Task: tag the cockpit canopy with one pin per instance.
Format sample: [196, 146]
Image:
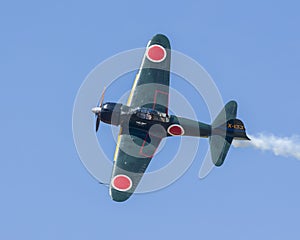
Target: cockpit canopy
[151, 114]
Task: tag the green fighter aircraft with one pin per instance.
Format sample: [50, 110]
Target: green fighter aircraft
[144, 122]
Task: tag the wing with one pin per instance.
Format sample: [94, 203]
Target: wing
[151, 85]
[133, 154]
[135, 147]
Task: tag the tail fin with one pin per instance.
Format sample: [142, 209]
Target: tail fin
[224, 129]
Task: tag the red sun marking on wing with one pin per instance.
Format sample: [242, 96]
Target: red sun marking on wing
[156, 53]
[122, 183]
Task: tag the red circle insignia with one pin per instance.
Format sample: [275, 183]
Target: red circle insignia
[156, 53]
[122, 183]
[175, 130]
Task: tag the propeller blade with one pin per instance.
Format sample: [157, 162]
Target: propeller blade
[97, 123]
[102, 97]
[98, 114]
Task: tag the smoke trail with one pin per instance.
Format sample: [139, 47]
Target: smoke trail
[280, 146]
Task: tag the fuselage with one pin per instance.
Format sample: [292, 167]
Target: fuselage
[152, 121]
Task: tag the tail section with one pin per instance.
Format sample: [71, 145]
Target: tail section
[219, 147]
[236, 129]
[225, 128]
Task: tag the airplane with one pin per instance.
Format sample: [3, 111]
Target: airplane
[144, 121]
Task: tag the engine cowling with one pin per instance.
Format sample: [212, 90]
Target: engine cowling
[110, 113]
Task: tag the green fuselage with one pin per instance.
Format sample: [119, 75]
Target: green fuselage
[143, 120]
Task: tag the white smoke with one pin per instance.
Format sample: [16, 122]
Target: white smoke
[280, 146]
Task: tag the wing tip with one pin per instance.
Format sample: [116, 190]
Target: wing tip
[161, 39]
[119, 196]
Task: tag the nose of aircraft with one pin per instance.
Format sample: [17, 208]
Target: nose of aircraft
[96, 110]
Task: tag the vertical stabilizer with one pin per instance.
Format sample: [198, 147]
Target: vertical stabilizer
[225, 128]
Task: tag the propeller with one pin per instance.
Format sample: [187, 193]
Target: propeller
[97, 110]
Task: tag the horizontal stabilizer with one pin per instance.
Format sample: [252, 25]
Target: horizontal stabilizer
[219, 147]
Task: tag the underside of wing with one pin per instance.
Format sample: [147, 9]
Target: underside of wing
[136, 147]
[151, 86]
[133, 155]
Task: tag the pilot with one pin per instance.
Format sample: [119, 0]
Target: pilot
[148, 116]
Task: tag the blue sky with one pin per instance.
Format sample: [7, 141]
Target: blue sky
[251, 50]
